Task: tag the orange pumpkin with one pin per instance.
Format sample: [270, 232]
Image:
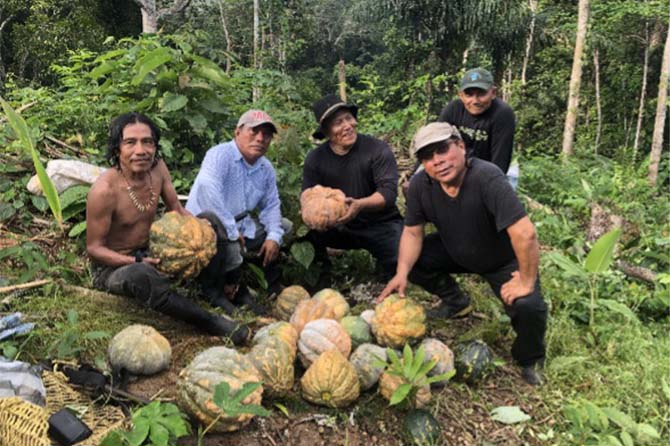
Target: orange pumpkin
[310, 310]
[321, 207]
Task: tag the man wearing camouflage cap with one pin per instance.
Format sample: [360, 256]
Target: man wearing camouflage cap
[482, 228]
[486, 122]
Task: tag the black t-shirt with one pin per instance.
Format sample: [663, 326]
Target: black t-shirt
[473, 224]
[488, 136]
[367, 168]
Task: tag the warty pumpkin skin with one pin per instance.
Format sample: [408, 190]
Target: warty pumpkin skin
[195, 386]
[322, 335]
[321, 207]
[274, 362]
[358, 329]
[310, 310]
[363, 359]
[288, 299]
[278, 331]
[184, 244]
[438, 350]
[397, 321]
[389, 383]
[140, 349]
[335, 300]
[330, 381]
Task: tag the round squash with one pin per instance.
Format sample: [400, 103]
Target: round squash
[397, 321]
[358, 330]
[184, 244]
[421, 428]
[310, 310]
[335, 300]
[140, 349]
[196, 383]
[288, 299]
[389, 383]
[274, 362]
[473, 361]
[330, 381]
[320, 336]
[367, 316]
[321, 207]
[438, 350]
[363, 359]
[282, 331]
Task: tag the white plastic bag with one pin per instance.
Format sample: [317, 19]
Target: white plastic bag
[66, 173]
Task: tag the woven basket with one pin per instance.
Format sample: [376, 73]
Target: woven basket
[101, 419]
[22, 423]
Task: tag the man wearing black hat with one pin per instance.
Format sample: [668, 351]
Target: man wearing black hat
[365, 169]
[486, 122]
[482, 228]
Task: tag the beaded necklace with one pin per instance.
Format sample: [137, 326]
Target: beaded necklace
[133, 197]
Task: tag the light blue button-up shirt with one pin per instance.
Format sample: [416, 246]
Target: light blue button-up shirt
[228, 186]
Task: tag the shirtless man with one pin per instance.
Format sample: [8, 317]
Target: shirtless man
[120, 208]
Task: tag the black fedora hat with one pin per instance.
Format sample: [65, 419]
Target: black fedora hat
[326, 107]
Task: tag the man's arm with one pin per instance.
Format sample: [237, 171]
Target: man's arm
[526, 248]
[168, 192]
[411, 242]
[502, 137]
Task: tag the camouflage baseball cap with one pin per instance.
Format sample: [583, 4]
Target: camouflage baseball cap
[432, 133]
[477, 78]
[254, 118]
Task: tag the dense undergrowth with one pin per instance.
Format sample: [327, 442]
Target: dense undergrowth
[617, 362]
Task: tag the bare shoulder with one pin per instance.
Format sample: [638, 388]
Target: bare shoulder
[105, 186]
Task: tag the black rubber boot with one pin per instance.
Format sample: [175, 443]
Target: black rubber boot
[216, 298]
[185, 310]
[243, 297]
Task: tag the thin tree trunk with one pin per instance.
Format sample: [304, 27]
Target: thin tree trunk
[599, 111]
[659, 124]
[255, 93]
[529, 41]
[229, 43]
[151, 15]
[575, 79]
[643, 92]
[342, 78]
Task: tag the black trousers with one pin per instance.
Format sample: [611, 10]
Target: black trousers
[381, 240]
[139, 281]
[528, 314]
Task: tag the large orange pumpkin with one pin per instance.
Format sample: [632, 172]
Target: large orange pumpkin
[184, 244]
[321, 207]
[310, 310]
[330, 381]
[398, 320]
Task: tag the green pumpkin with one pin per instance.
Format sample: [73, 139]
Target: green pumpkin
[473, 361]
[358, 330]
[364, 360]
[421, 428]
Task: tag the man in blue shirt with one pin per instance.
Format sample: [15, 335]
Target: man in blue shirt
[236, 179]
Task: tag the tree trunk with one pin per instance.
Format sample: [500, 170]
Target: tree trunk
[659, 124]
[151, 15]
[599, 111]
[643, 92]
[255, 92]
[529, 41]
[342, 78]
[229, 43]
[575, 79]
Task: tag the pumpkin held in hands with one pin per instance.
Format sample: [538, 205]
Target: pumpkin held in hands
[140, 349]
[183, 243]
[321, 207]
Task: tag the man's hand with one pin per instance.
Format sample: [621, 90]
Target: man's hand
[515, 288]
[354, 207]
[269, 251]
[151, 260]
[398, 283]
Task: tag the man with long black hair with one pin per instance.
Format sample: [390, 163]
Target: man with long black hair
[120, 208]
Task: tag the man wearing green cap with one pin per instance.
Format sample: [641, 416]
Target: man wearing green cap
[486, 122]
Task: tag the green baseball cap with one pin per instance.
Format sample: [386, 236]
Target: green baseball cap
[477, 78]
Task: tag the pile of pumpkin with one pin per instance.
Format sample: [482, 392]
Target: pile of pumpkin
[320, 333]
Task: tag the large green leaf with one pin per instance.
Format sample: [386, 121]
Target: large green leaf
[173, 102]
[509, 415]
[570, 267]
[150, 62]
[303, 253]
[600, 257]
[618, 307]
[23, 133]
